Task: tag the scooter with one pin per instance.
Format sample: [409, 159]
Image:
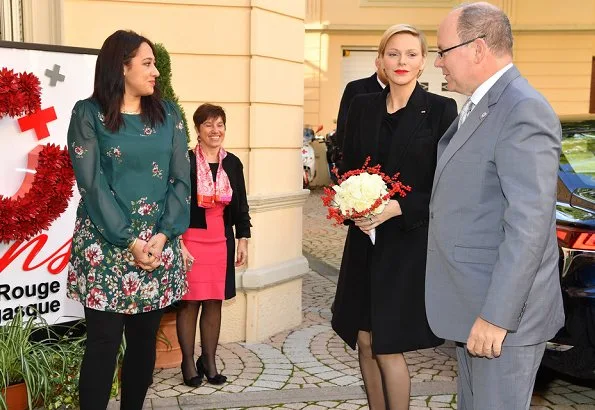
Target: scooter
[308, 156]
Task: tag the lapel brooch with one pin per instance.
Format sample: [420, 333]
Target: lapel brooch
[483, 115]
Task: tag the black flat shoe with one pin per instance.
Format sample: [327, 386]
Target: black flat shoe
[202, 370]
[195, 381]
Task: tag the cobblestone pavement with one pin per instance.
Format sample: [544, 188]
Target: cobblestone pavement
[310, 368]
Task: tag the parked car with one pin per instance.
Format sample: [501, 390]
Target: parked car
[572, 351]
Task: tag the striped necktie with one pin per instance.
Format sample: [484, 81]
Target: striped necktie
[465, 111]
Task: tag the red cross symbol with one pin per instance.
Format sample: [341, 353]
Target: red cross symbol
[38, 122]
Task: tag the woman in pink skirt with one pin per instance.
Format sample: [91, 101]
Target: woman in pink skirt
[218, 204]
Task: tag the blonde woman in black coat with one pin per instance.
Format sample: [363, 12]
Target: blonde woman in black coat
[379, 304]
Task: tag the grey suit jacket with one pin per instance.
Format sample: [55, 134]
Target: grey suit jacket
[492, 248]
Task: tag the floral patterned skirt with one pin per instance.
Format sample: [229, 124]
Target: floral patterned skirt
[104, 277]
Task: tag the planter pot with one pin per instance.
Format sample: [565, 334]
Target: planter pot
[16, 397]
[168, 349]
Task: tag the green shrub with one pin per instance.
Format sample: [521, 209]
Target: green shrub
[163, 64]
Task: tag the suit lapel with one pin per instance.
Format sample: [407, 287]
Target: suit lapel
[415, 112]
[454, 139]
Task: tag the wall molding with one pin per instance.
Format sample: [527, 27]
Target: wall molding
[409, 3]
[273, 202]
[268, 276]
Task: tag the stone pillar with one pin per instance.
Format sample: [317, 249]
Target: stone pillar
[272, 281]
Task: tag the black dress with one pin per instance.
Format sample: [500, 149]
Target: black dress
[381, 287]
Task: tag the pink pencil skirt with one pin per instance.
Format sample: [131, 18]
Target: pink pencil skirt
[206, 279]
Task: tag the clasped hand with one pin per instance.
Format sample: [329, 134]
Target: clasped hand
[485, 339]
[147, 254]
[368, 223]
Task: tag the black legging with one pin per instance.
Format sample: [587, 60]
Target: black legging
[104, 334]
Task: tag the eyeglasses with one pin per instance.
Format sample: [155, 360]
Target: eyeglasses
[441, 53]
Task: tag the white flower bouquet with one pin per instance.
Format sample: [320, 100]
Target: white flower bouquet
[361, 193]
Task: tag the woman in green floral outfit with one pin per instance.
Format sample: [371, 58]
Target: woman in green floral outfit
[129, 153]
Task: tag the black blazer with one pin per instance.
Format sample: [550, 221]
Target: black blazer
[362, 86]
[236, 213]
[386, 282]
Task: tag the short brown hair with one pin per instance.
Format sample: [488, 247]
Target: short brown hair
[207, 111]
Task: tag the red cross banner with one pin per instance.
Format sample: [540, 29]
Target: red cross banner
[39, 85]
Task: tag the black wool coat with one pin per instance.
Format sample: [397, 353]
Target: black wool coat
[392, 270]
[236, 213]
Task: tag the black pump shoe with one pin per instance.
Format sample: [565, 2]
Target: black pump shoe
[195, 381]
[202, 370]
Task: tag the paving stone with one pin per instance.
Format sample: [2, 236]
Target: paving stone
[279, 372]
[256, 388]
[441, 399]
[348, 406]
[578, 398]
[295, 406]
[268, 384]
[168, 393]
[345, 380]
[273, 377]
[557, 399]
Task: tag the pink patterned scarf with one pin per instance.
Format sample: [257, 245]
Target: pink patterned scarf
[207, 191]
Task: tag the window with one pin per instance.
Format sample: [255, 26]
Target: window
[11, 20]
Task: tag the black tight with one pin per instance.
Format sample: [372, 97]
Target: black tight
[104, 335]
[210, 326]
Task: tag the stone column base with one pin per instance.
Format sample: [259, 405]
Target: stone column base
[268, 301]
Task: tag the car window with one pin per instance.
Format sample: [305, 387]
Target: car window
[578, 152]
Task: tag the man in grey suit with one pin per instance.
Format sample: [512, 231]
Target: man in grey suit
[492, 271]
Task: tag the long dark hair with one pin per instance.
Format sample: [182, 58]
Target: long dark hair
[117, 50]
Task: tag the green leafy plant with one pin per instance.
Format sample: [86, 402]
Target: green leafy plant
[64, 378]
[163, 64]
[26, 355]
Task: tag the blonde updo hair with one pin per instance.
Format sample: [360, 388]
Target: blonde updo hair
[402, 28]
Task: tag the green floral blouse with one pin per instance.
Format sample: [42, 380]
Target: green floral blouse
[133, 183]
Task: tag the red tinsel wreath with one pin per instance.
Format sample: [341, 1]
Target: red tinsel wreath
[20, 93]
[50, 190]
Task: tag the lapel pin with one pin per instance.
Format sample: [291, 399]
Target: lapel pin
[483, 115]
[423, 111]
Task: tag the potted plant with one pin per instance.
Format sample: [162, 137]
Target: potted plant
[168, 350]
[26, 360]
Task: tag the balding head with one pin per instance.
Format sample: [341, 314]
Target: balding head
[485, 19]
